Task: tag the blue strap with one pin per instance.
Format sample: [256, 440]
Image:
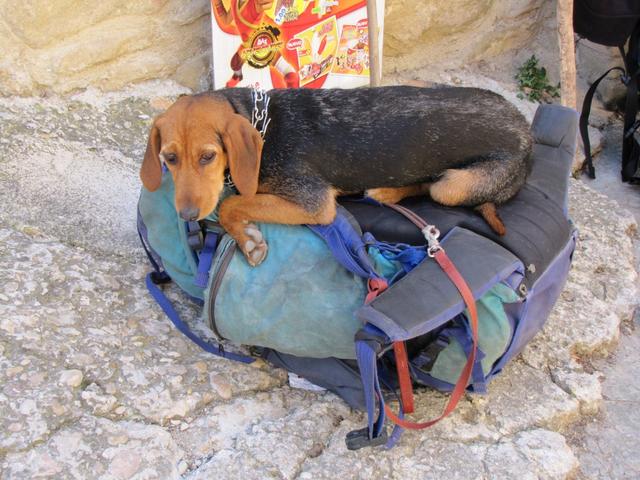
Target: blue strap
[207, 346]
[205, 259]
[346, 246]
[368, 366]
[142, 234]
[397, 431]
[464, 338]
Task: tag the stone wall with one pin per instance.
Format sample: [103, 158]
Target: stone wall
[451, 33]
[65, 45]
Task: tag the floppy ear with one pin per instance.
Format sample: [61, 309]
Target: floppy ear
[151, 171]
[244, 149]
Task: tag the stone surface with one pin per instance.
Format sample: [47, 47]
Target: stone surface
[64, 45]
[613, 434]
[95, 382]
[449, 34]
[101, 449]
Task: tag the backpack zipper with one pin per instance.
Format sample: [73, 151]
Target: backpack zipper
[227, 255]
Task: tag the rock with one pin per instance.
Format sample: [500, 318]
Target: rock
[72, 378]
[92, 447]
[533, 454]
[63, 46]
[585, 387]
[97, 400]
[301, 433]
[450, 34]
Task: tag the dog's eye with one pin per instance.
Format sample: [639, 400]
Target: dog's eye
[207, 158]
[170, 158]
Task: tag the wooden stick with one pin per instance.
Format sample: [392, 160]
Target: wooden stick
[564, 14]
[374, 44]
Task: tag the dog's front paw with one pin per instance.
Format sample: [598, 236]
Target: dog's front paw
[385, 195]
[253, 246]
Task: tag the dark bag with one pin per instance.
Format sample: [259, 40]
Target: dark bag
[607, 22]
[612, 23]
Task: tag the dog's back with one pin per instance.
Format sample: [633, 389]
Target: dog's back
[358, 139]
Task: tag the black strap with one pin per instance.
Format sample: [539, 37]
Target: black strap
[584, 120]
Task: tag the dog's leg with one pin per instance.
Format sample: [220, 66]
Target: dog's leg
[237, 214]
[395, 194]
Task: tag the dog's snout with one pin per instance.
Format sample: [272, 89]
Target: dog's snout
[189, 213]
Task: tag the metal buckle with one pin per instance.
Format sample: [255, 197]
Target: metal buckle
[431, 233]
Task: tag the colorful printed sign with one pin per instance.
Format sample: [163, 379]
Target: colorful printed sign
[290, 43]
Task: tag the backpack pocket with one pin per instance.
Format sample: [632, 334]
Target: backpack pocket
[299, 301]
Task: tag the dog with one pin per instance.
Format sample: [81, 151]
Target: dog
[462, 146]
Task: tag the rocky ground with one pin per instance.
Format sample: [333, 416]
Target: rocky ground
[95, 382]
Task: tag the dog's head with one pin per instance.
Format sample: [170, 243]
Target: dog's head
[198, 138]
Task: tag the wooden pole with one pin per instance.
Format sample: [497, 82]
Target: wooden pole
[375, 68]
[564, 14]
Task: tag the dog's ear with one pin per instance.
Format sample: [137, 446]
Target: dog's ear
[151, 170]
[243, 144]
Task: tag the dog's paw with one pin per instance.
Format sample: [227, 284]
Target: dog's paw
[254, 247]
[385, 195]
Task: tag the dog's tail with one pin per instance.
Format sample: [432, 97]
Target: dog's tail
[490, 214]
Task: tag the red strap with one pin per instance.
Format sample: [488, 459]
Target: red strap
[375, 286]
[402, 366]
[458, 391]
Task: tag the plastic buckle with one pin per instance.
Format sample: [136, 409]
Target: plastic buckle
[428, 356]
[632, 129]
[159, 278]
[357, 439]
[195, 238]
[375, 342]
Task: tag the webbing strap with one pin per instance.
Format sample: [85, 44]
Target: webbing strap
[584, 120]
[346, 246]
[367, 364]
[404, 378]
[205, 258]
[208, 346]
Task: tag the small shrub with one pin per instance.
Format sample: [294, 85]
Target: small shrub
[534, 84]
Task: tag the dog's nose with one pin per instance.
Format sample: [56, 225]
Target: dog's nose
[189, 213]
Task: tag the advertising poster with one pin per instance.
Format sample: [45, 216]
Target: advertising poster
[290, 43]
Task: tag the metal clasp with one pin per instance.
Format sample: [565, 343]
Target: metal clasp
[431, 233]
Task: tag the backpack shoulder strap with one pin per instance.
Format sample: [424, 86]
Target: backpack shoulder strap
[584, 120]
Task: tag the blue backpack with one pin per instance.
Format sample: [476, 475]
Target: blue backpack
[364, 307]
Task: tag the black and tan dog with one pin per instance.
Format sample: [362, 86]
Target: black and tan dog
[462, 146]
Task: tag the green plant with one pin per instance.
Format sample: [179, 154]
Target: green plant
[534, 84]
